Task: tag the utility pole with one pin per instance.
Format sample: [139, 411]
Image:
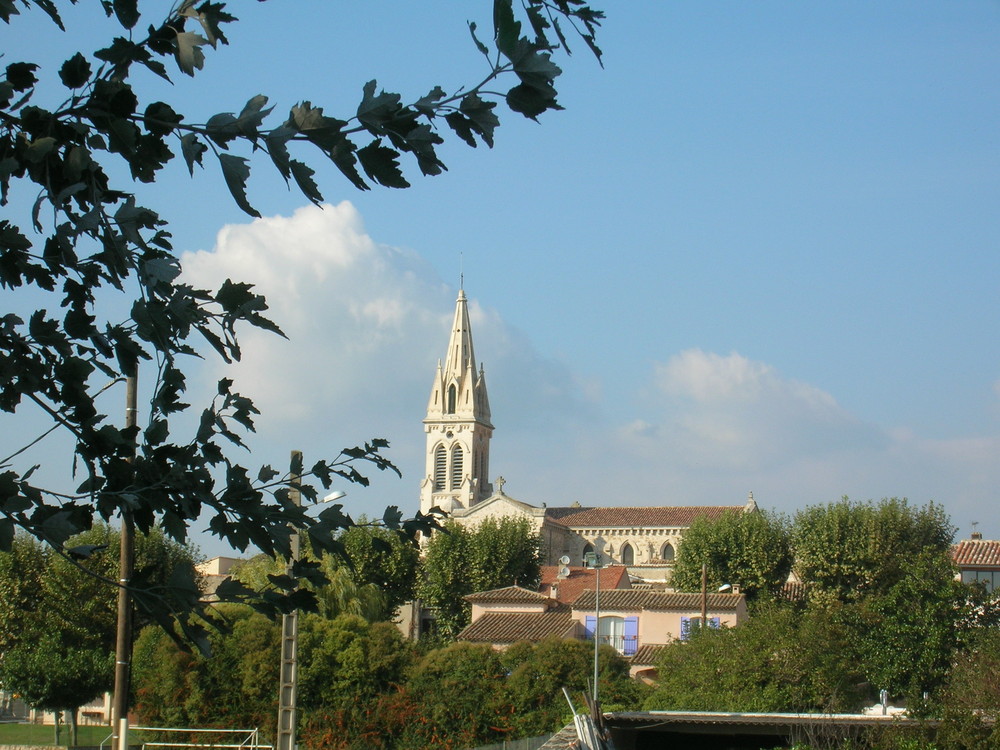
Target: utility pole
[123, 645]
[704, 595]
[288, 678]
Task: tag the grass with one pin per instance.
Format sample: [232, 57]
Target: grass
[44, 734]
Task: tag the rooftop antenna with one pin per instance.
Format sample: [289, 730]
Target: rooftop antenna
[461, 270]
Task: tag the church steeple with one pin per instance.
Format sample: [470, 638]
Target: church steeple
[457, 425]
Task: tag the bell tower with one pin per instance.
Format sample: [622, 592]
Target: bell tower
[457, 426]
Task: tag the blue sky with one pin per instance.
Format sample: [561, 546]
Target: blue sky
[758, 251]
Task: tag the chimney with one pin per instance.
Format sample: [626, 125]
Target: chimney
[977, 536]
[736, 588]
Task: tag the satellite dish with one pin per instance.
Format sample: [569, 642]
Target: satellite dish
[563, 572]
[564, 560]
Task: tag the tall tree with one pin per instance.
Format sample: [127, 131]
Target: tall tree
[751, 550]
[847, 550]
[69, 130]
[60, 634]
[459, 562]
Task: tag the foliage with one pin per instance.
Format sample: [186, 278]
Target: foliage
[538, 672]
[751, 550]
[21, 571]
[347, 662]
[778, 660]
[384, 559]
[89, 248]
[336, 590]
[906, 635]
[847, 550]
[52, 674]
[60, 633]
[970, 705]
[460, 562]
[234, 687]
[460, 698]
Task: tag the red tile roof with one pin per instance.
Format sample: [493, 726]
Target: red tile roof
[647, 653]
[976, 552]
[633, 600]
[507, 595]
[579, 579]
[679, 517]
[511, 627]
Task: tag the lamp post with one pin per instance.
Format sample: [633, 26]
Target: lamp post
[593, 560]
[288, 679]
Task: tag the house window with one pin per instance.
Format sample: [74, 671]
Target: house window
[691, 624]
[667, 553]
[621, 633]
[627, 554]
[988, 578]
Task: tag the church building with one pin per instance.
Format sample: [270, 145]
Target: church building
[458, 429]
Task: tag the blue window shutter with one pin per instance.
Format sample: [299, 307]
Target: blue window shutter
[590, 627]
[685, 628]
[631, 640]
[715, 622]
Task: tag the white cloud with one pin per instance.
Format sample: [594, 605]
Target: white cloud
[367, 324]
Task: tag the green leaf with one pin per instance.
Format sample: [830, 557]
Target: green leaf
[427, 105]
[303, 175]
[75, 72]
[160, 119]
[192, 148]
[479, 45]
[380, 163]
[506, 30]
[188, 52]
[236, 170]
[127, 12]
[375, 110]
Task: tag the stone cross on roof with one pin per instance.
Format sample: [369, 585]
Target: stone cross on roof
[500, 482]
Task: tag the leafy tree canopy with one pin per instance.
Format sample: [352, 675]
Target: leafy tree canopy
[847, 550]
[460, 562]
[751, 550]
[67, 128]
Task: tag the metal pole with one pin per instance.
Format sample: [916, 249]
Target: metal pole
[704, 594]
[123, 644]
[288, 678]
[597, 624]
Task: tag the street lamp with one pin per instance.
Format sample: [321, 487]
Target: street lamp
[593, 560]
[288, 680]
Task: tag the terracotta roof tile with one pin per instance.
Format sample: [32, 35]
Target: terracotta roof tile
[631, 599]
[511, 627]
[579, 579]
[973, 552]
[509, 594]
[647, 653]
[680, 517]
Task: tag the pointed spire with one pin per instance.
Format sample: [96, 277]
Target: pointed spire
[461, 356]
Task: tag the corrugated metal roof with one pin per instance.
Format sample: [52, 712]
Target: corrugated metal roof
[679, 517]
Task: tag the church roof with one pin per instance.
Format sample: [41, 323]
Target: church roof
[680, 516]
[632, 599]
[508, 594]
[972, 552]
[511, 627]
[579, 579]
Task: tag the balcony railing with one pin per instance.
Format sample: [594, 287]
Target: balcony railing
[623, 644]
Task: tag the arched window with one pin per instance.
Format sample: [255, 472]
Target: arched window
[451, 398]
[440, 467]
[457, 467]
[667, 553]
[627, 554]
[588, 549]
